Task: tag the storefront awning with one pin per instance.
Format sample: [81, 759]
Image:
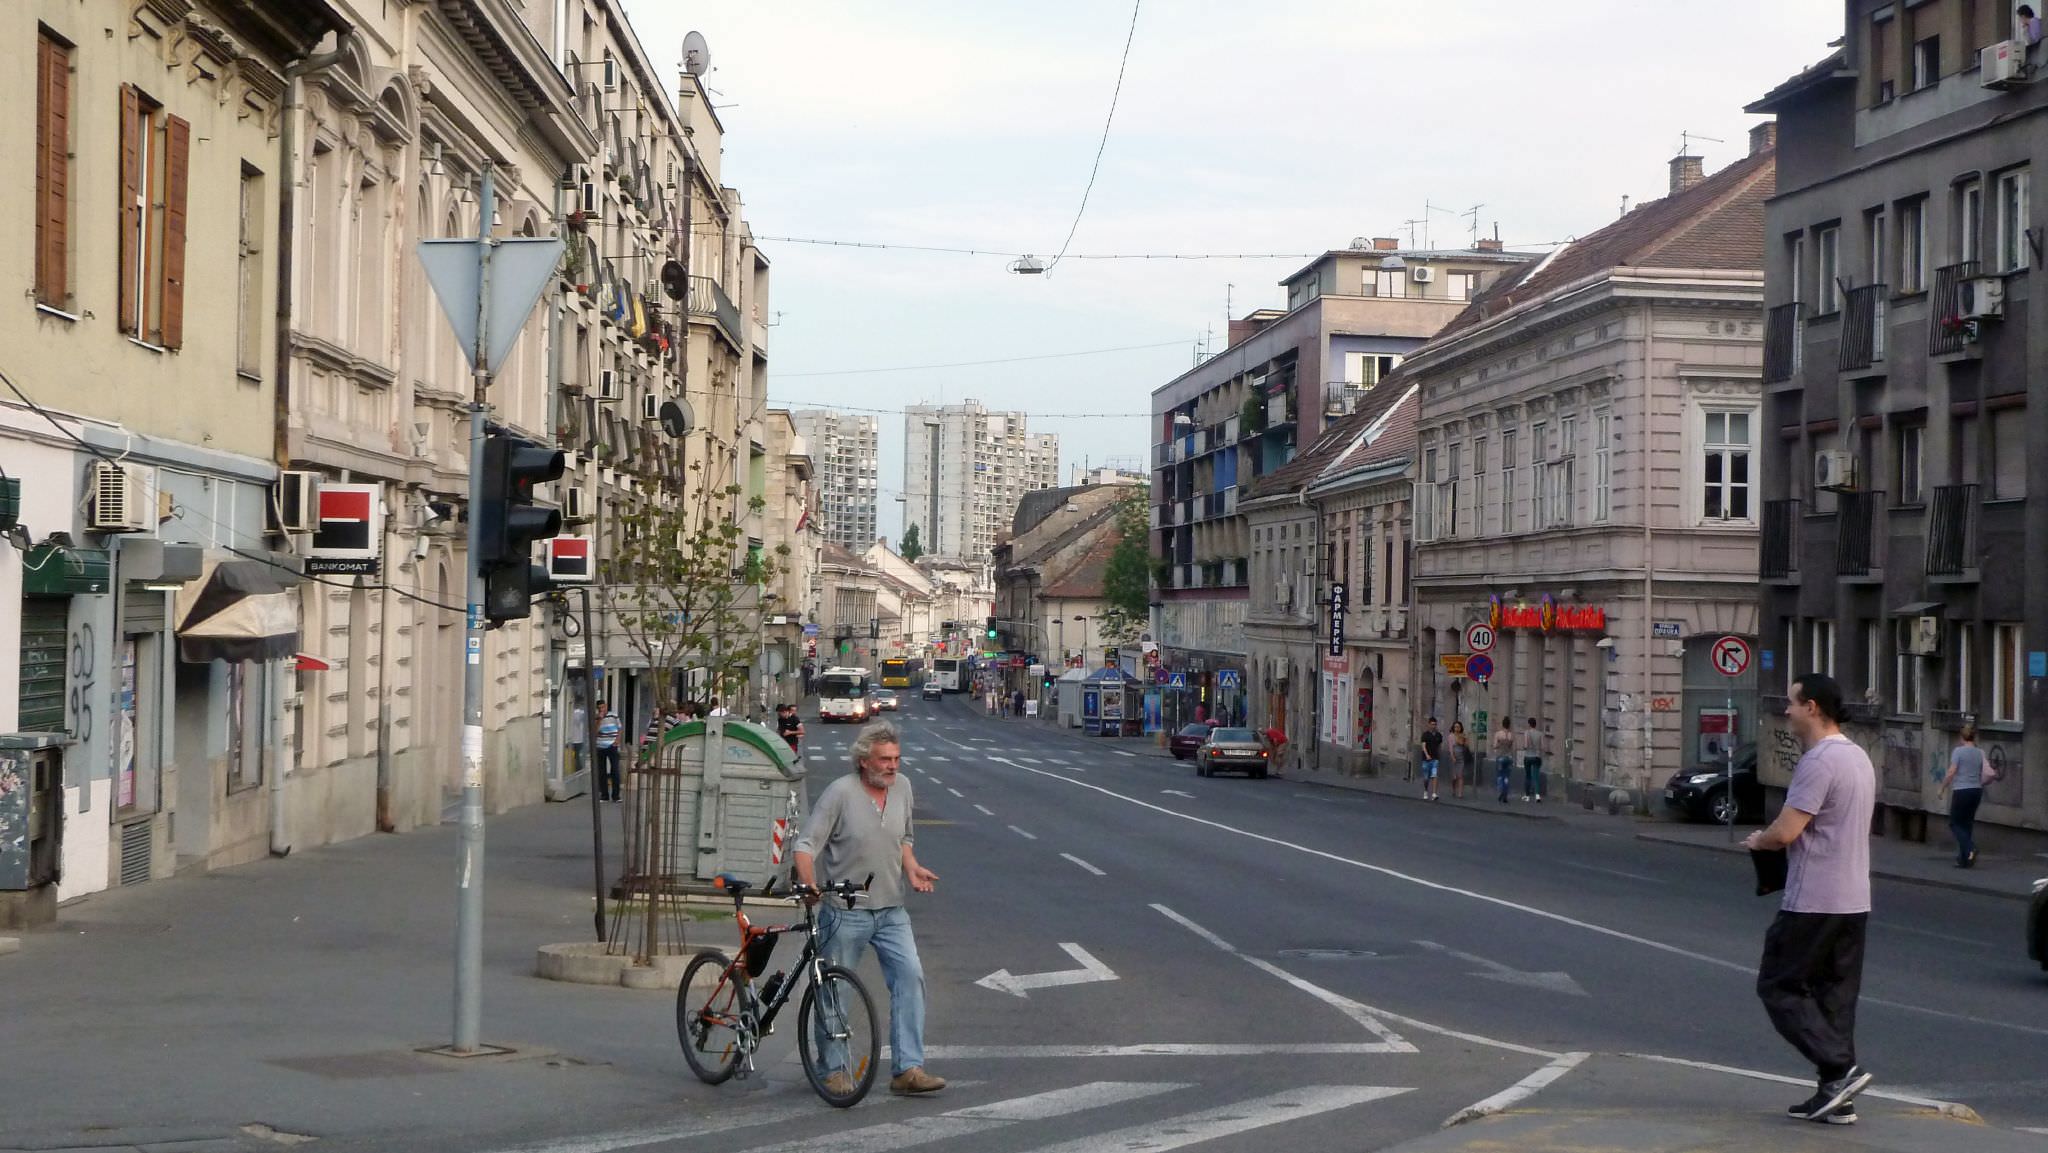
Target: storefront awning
[236, 611]
[1916, 609]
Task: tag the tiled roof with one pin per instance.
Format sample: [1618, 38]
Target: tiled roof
[845, 558]
[1396, 440]
[1715, 224]
[1083, 577]
[1834, 66]
[1302, 470]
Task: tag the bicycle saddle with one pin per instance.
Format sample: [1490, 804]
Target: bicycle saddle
[731, 884]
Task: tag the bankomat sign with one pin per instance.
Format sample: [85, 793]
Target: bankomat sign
[351, 530]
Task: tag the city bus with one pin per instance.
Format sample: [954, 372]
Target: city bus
[843, 695]
[947, 672]
[901, 672]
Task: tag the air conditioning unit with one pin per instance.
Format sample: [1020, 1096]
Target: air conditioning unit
[607, 384]
[1924, 638]
[650, 407]
[1980, 297]
[1834, 470]
[123, 499]
[1421, 273]
[2002, 65]
[575, 505]
[295, 502]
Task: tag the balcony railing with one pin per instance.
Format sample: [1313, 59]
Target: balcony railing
[1784, 331]
[1942, 340]
[1778, 550]
[708, 299]
[1166, 454]
[1858, 534]
[1863, 328]
[1952, 530]
[1279, 411]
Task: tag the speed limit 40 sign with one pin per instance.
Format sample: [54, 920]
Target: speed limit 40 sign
[1479, 637]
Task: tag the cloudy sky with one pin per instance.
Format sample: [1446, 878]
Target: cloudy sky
[1288, 127]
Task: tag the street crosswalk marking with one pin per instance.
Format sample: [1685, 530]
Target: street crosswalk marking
[1225, 1120]
[974, 1119]
[1153, 1049]
[749, 1118]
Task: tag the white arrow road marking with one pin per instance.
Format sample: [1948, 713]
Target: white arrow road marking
[1495, 971]
[985, 810]
[979, 1118]
[1084, 864]
[1225, 1120]
[1391, 1041]
[1176, 793]
[1023, 834]
[1019, 984]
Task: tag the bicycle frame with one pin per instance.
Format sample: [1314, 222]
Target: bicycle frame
[757, 1014]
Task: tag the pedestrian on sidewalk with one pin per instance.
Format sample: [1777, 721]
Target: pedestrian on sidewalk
[1276, 740]
[607, 753]
[1535, 743]
[861, 827]
[1461, 760]
[1432, 758]
[1964, 783]
[579, 727]
[789, 726]
[1504, 758]
[1017, 703]
[1812, 966]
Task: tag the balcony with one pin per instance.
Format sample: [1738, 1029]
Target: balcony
[1944, 340]
[1778, 548]
[757, 337]
[1166, 455]
[1859, 536]
[1214, 504]
[709, 301]
[1862, 352]
[1279, 411]
[1784, 332]
[1952, 532]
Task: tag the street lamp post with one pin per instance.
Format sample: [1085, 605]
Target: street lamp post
[1062, 634]
[1084, 637]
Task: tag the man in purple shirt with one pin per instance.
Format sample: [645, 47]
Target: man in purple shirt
[1812, 965]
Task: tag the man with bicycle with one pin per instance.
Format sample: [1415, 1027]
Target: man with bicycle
[860, 826]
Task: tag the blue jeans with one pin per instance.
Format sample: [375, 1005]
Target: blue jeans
[1503, 773]
[845, 933]
[1962, 822]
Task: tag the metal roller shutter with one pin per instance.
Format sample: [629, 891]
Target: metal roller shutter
[44, 640]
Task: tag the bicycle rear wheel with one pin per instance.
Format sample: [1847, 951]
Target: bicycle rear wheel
[708, 1004]
[837, 1037]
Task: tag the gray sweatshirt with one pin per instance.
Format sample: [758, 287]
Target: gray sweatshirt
[849, 838]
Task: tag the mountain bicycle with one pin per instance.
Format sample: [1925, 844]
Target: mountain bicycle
[721, 1017]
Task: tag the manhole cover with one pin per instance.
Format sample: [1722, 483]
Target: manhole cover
[1328, 954]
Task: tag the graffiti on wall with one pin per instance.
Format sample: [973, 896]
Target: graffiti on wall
[1785, 750]
[1898, 758]
[82, 650]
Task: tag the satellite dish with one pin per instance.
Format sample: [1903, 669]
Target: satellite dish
[676, 418]
[675, 279]
[696, 54]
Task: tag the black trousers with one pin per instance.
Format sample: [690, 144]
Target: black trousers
[1811, 972]
[1962, 822]
[608, 774]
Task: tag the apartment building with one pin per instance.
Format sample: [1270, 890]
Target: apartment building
[965, 467]
[1903, 386]
[846, 449]
[1586, 446]
[1287, 375]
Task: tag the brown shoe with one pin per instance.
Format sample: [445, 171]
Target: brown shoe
[839, 1084]
[911, 1082]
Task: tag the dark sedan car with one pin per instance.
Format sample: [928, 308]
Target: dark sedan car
[1184, 743]
[1701, 792]
[2037, 924]
[1231, 751]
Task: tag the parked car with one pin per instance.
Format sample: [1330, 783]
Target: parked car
[2037, 924]
[1190, 737]
[931, 691]
[1231, 750]
[886, 702]
[1701, 792]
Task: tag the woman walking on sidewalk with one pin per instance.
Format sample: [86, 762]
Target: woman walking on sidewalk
[1503, 759]
[1964, 784]
[1461, 760]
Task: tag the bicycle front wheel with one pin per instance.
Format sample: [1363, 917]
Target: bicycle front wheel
[837, 1037]
[708, 1023]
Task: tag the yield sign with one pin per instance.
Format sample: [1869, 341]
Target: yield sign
[519, 271]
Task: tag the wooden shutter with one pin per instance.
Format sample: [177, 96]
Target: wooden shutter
[177, 165]
[53, 171]
[131, 205]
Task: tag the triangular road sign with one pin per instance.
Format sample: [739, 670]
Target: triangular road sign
[519, 272]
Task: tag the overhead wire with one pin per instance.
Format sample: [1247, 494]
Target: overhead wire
[979, 363]
[1103, 144]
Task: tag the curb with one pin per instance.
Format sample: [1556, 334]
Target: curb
[586, 963]
[1525, 812]
[1887, 874]
[9, 945]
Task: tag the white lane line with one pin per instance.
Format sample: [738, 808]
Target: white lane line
[1176, 793]
[1084, 864]
[2043, 1132]
[1518, 1092]
[979, 1118]
[1121, 753]
[940, 759]
[1948, 1108]
[1225, 1120]
[1031, 760]
[1345, 1005]
[1622, 873]
[1154, 1049]
[682, 1131]
[934, 780]
[956, 792]
[1020, 832]
[986, 811]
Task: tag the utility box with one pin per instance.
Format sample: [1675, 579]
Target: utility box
[31, 826]
[711, 796]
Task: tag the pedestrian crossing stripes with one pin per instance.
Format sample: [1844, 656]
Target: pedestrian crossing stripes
[979, 1118]
[1226, 1120]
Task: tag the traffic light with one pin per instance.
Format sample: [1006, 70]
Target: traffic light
[508, 524]
[991, 628]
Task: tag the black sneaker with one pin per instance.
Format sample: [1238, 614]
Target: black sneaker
[1843, 1115]
[1804, 1111]
[1836, 1093]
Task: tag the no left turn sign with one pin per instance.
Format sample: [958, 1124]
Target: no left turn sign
[1731, 656]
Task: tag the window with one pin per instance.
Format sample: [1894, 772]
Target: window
[1912, 248]
[1478, 456]
[1969, 219]
[53, 172]
[1873, 227]
[1564, 473]
[1883, 83]
[2012, 221]
[1461, 285]
[1603, 466]
[1791, 649]
[245, 726]
[2008, 454]
[1822, 658]
[1926, 62]
[1966, 682]
[1725, 450]
[1795, 258]
[1910, 481]
[1507, 480]
[1964, 454]
[1905, 669]
[155, 156]
[1827, 244]
[2005, 673]
[249, 275]
[1539, 506]
[1873, 660]
[1449, 521]
[1386, 282]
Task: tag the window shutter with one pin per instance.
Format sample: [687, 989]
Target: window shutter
[131, 205]
[53, 175]
[177, 165]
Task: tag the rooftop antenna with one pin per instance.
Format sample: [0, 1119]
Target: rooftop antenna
[696, 54]
[1473, 214]
[1229, 308]
[1410, 226]
[1685, 140]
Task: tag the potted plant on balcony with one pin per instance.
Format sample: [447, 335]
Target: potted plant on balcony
[1960, 326]
[1251, 418]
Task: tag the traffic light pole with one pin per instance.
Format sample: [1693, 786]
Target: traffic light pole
[469, 904]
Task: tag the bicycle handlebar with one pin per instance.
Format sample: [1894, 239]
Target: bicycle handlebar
[845, 890]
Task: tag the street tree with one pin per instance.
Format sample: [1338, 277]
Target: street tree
[1127, 579]
[912, 547]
